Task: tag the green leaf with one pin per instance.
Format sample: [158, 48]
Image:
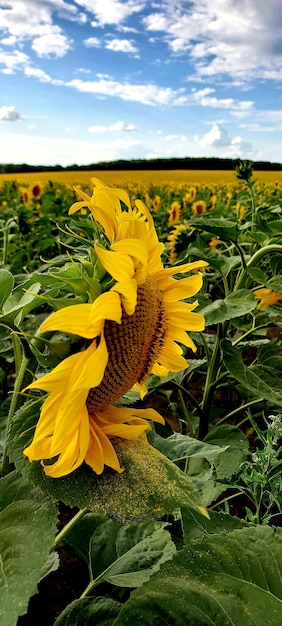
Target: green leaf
[213, 480]
[234, 305]
[90, 612]
[220, 227]
[261, 381]
[195, 526]
[151, 484]
[78, 538]
[275, 283]
[127, 555]
[27, 531]
[216, 581]
[6, 286]
[179, 446]
[257, 275]
[237, 448]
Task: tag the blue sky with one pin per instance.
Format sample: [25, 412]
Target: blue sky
[83, 81]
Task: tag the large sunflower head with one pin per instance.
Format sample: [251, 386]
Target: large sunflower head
[138, 327]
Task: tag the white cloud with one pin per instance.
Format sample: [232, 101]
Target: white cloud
[51, 43]
[9, 114]
[31, 19]
[218, 138]
[204, 98]
[92, 42]
[121, 45]
[40, 75]
[110, 11]
[145, 94]
[240, 38]
[8, 41]
[14, 61]
[117, 128]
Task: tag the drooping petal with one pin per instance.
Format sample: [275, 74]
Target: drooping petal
[101, 451]
[128, 294]
[132, 247]
[85, 320]
[119, 266]
[171, 357]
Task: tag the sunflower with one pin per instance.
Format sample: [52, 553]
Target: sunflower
[133, 330]
[267, 298]
[199, 207]
[36, 190]
[174, 213]
[177, 241]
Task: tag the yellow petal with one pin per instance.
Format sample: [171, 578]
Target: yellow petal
[134, 248]
[178, 334]
[101, 452]
[170, 357]
[85, 320]
[128, 293]
[186, 267]
[185, 288]
[119, 266]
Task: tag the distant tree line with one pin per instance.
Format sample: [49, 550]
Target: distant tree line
[187, 163]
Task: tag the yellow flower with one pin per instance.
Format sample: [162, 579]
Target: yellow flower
[215, 243]
[26, 195]
[36, 190]
[192, 194]
[267, 297]
[174, 213]
[177, 239]
[133, 329]
[213, 201]
[199, 207]
[156, 203]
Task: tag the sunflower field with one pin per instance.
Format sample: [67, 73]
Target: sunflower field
[141, 401]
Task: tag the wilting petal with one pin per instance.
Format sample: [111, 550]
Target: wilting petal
[128, 294]
[119, 266]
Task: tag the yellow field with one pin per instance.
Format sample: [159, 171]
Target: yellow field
[116, 177]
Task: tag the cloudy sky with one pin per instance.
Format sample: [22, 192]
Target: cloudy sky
[83, 81]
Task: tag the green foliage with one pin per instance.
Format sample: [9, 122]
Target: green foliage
[215, 580]
[24, 544]
[153, 553]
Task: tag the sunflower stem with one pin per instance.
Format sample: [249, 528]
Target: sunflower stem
[67, 528]
[254, 260]
[186, 413]
[209, 389]
[6, 466]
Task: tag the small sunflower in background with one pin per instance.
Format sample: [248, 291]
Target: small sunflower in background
[174, 213]
[133, 329]
[36, 190]
[178, 241]
[199, 207]
[26, 195]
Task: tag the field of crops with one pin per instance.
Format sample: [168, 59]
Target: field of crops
[140, 387]
[122, 177]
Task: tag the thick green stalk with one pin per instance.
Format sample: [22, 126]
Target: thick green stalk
[253, 261]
